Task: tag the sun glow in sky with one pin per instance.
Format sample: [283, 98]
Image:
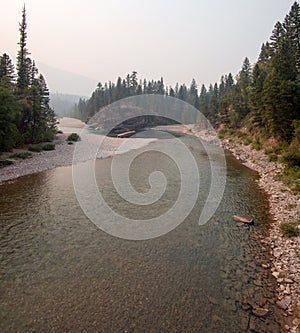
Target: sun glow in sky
[179, 40]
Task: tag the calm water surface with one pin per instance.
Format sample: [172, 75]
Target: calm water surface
[59, 273]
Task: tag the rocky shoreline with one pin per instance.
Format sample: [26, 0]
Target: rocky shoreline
[284, 207]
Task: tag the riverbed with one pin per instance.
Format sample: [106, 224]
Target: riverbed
[59, 272]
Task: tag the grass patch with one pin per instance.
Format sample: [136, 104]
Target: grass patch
[5, 163]
[289, 229]
[272, 157]
[291, 156]
[73, 137]
[221, 134]
[22, 156]
[290, 177]
[35, 148]
[256, 145]
[231, 132]
[247, 141]
[48, 146]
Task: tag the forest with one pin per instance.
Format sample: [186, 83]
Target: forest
[261, 104]
[25, 114]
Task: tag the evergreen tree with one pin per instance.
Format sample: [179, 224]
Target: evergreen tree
[265, 53]
[22, 58]
[161, 87]
[193, 94]
[276, 37]
[7, 70]
[203, 101]
[292, 27]
[172, 92]
[183, 93]
[9, 115]
[242, 90]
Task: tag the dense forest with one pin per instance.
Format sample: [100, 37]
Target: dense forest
[261, 101]
[25, 114]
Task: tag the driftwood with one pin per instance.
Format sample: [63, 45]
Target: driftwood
[125, 134]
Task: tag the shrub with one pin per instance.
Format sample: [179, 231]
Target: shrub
[292, 156]
[221, 134]
[272, 157]
[289, 229]
[48, 146]
[5, 163]
[231, 131]
[247, 141]
[290, 177]
[21, 155]
[256, 145]
[35, 148]
[59, 132]
[73, 137]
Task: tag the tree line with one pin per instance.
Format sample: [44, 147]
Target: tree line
[25, 114]
[264, 98]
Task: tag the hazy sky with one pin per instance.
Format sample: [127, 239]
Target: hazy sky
[177, 39]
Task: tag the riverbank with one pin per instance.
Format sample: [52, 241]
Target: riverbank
[41, 161]
[38, 162]
[64, 152]
[284, 207]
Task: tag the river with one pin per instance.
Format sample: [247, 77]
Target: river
[60, 273]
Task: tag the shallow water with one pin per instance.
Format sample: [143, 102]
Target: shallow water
[60, 273]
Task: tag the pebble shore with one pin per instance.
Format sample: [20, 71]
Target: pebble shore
[284, 207]
[285, 252]
[45, 160]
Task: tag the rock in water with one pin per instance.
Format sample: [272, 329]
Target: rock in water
[244, 219]
[260, 312]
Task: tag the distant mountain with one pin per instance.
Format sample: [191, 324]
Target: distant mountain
[63, 104]
[65, 82]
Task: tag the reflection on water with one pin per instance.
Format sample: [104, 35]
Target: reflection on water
[59, 273]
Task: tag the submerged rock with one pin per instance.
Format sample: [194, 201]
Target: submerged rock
[260, 312]
[244, 219]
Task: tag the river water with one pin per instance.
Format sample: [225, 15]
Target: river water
[60, 273]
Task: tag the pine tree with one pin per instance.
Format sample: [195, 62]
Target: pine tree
[161, 87]
[172, 92]
[203, 101]
[277, 35]
[242, 90]
[22, 58]
[265, 53]
[183, 93]
[9, 116]
[193, 94]
[7, 70]
[133, 83]
[292, 27]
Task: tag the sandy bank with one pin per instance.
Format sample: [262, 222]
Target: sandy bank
[64, 152]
